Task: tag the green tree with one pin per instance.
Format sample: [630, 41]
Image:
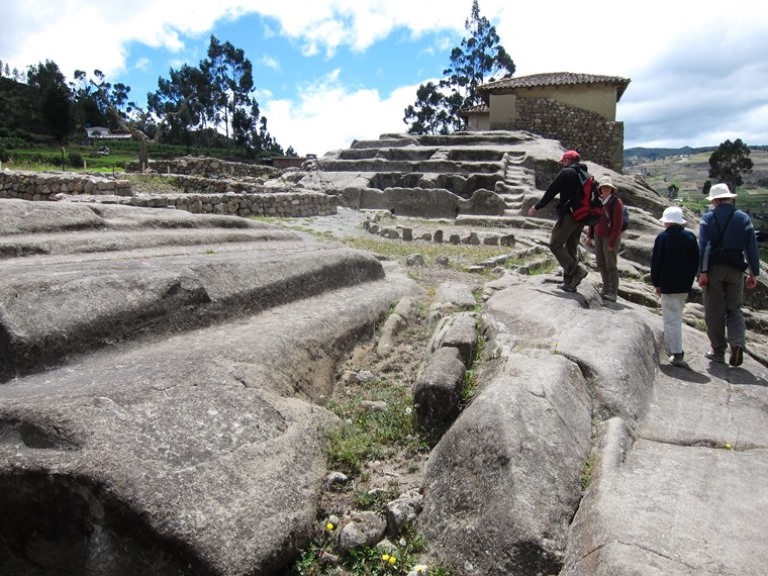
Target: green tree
[480, 58]
[53, 97]
[231, 79]
[729, 161]
[672, 191]
[181, 102]
[430, 114]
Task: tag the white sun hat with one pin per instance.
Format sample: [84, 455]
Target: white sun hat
[719, 191]
[673, 215]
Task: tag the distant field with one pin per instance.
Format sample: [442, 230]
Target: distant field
[689, 172]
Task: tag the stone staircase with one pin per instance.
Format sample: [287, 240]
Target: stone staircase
[518, 183]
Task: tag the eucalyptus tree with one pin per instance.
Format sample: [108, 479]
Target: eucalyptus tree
[180, 102]
[480, 58]
[88, 111]
[231, 80]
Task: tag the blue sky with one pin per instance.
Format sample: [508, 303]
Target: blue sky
[333, 71]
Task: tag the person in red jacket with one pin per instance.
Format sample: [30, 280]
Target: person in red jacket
[605, 237]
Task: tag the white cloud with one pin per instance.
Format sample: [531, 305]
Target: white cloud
[270, 62]
[328, 116]
[697, 73]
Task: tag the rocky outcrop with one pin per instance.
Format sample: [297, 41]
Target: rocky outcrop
[160, 378]
[163, 376]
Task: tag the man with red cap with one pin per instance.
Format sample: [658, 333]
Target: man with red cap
[564, 239]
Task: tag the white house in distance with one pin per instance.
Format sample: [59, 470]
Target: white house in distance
[104, 133]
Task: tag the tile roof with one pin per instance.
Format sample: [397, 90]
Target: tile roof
[555, 79]
[479, 109]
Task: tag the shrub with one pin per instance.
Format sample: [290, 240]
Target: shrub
[76, 160]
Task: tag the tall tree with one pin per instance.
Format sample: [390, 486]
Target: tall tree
[88, 111]
[55, 105]
[231, 76]
[181, 102]
[479, 59]
[729, 161]
[430, 113]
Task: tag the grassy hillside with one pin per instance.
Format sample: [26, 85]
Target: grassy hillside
[689, 172]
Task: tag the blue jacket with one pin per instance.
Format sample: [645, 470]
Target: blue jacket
[675, 260]
[738, 235]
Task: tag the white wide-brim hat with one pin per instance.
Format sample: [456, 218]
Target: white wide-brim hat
[673, 215]
[719, 191]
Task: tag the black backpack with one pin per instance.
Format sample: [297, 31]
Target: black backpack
[586, 205]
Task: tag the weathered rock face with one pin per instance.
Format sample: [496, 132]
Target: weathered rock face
[159, 374]
[157, 414]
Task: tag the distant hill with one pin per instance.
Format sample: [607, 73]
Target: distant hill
[638, 155]
[646, 154]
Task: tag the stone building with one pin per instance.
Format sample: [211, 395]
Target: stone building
[579, 110]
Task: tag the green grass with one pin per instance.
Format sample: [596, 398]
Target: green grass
[586, 473]
[366, 434]
[323, 559]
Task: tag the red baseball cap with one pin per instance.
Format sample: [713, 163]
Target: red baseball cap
[571, 155]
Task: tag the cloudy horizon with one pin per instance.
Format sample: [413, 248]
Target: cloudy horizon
[329, 73]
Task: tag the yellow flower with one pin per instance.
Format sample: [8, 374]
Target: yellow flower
[385, 557]
[728, 446]
[392, 560]
[329, 526]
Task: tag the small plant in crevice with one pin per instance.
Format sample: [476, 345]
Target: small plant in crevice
[470, 376]
[586, 473]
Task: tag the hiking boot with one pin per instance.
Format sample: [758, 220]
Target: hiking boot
[580, 274]
[610, 297]
[713, 356]
[737, 355]
[567, 287]
[677, 360]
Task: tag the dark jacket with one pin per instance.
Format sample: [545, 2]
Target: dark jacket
[567, 184]
[675, 260]
[739, 234]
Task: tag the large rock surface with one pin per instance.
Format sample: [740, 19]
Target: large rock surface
[163, 372]
[675, 483]
[160, 376]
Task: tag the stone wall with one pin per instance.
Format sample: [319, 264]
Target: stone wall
[207, 167]
[42, 185]
[281, 205]
[597, 139]
[218, 196]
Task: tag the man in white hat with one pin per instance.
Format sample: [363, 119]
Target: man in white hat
[726, 237]
[674, 263]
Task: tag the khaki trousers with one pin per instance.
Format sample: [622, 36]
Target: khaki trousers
[606, 261]
[723, 298]
[564, 245]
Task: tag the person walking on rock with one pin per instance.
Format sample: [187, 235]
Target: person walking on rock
[726, 237]
[674, 263]
[566, 233]
[605, 236]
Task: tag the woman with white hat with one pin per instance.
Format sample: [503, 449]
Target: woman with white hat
[606, 235]
[726, 238]
[674, 262]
